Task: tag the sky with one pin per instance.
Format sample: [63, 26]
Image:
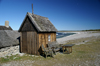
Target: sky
[64, 14]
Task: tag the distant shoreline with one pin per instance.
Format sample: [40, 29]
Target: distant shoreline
[63, 34]
[78, 30]
[78, 35]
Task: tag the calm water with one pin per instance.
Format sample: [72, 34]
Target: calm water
[61, 34]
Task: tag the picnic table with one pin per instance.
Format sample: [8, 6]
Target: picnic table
[67, 48]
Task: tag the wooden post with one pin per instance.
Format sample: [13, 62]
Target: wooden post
[63, 49]
[71, 49]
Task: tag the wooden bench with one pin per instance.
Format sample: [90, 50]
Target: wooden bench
[54, 46]
[47, 51]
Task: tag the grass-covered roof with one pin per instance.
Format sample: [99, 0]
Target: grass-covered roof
[5, 28]
[8, 38]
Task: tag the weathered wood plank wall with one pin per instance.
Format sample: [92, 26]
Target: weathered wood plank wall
[43, 38]
[24, 42]
[29, 43]
[27, 26]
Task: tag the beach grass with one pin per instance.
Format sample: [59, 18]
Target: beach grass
[86, 54]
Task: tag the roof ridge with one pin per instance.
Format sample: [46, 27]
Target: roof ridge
[36, 15]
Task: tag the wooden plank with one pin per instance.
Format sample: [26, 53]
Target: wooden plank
[30, 44]
[33, 44]
[36, 41]
[39, 41]
[53, 36]
[29, 41]
[24, 42]
[43, 40]
[20, 42]
[46, 38]
[28, 38]
[38, 44]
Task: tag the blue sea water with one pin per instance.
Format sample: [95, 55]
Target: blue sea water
[62, 34]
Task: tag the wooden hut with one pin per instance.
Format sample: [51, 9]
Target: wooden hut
[36, 30]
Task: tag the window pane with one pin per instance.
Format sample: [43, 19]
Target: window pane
[48, 37]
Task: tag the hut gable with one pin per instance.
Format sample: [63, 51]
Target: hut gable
[42, 24]
[27, 25]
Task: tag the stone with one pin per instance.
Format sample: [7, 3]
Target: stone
[8, 51]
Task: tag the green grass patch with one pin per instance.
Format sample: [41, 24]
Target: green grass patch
[10, 58]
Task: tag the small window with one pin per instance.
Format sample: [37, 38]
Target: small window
[48, 37]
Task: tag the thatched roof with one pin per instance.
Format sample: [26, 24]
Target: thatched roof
[8, 38]
[5, 28]
[42, 24]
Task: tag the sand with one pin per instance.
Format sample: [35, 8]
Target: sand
[78, 35]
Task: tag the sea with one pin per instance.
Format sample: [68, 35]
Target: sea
[63, 34]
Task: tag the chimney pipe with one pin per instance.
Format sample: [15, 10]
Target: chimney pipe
[32, 8]
[7, 24]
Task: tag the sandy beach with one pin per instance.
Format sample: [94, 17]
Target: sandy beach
[78, 35]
